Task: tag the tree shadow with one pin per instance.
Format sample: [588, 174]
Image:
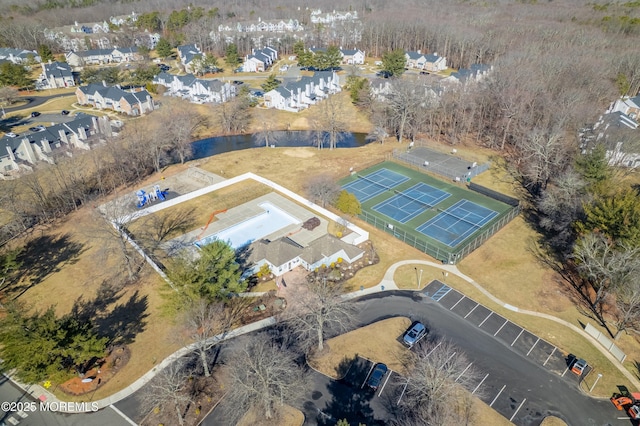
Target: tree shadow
[349, 397]
[120, 323]
[42, 257]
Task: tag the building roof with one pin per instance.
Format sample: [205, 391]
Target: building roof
[327, 246]
[276, 252]
[414, 55]
[57, 69]
[432, 57]
[93, 52]
[187, 52]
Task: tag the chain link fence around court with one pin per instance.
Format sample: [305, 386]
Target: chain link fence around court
[450, 255]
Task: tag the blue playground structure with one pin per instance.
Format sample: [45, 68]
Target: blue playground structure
[155, 194]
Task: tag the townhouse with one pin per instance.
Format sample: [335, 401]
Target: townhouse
[195, 89]
[100, 96]
[299, 95]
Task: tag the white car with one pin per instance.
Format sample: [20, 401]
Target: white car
[11, 135]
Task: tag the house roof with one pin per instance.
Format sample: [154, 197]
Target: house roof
[414, 55]
[114, 93]
[57, 69]
[131, 49]
[326, 246]
[276, 252]
[6, 52]
[350, 52]
[93, 52]
[187, 52]
[432, 57]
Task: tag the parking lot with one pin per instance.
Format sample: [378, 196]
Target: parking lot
[510, 401]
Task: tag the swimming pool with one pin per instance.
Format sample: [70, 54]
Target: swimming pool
[252, 229]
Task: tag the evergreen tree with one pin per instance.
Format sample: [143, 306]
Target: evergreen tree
[14, 75]
[393, 62]
[271, 83]
[617, 216]
[232, 58]
[214, 275]
[45, 53]
[164, 48]
[594, 167]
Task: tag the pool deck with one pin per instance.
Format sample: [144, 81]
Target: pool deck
[245, 211]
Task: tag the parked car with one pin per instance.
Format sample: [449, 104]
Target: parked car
[578, 366]
[11, 135]
[377, 375]
[238, 82]
[35, 114]
[64, 112]
[39, 128]
[414, 334]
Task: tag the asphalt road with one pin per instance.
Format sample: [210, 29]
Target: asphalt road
[546, 393]
[29, 417]
[34, 101]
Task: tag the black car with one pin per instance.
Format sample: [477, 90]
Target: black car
[64, 112]
[35, 114]
[377, 375]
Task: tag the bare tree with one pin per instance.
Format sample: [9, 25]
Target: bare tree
[404, 104]
[316, 309]
[323, 189]
[178, 122]
[154, 229]
[264, 376]
[168, 391]
[203, 321]
[266, 135]
[234, 115]
[627, 315]
[606, 268]
[439, 374]
[331, 113]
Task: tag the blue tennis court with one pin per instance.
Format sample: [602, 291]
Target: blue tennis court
[456, 223]
[409, 203]
[367, 187]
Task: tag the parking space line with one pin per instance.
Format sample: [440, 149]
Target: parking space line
[456, 304]
[402, 393]
[494, 399]
[534, 345]
[474, 308]
[434, 348]
[519, 407]
[484, 320]
[480, 384]
[448, 359]
[549, 357]
[463, 371]
[385, 382]
[505, 323]
[565, 372]
[516, 339]
[367, 376]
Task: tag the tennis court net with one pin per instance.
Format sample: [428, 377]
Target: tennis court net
[475, 225]
[373, 182]
[425, 205]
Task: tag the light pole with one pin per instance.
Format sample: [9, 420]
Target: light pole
[444, 276]
[594, 383]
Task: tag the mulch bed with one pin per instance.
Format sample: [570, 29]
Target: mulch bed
[99, 375]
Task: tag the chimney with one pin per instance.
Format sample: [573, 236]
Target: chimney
[46, 147]
[419, 52]
[82, 133]
[104, 83]
[10, 151]
[94, 122]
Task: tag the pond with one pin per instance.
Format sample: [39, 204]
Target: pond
[294, 138]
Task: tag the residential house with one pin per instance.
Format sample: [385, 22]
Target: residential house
[186, 54]
[618, 132]
[18, 154]
[260, 60]
[102, 56]
[299, 95]
[317, 17]
[628, 106]
[475, 73]
[352, 56]
[348, 56]
[112, 97]
[435, 63]
[415, 60]
[55, 75]
[195, 89]
[284, 254]
[18, 56]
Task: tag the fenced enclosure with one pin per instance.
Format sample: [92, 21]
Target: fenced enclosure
[446, 165]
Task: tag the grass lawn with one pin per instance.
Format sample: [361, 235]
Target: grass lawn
[378, 343]
[286, 416]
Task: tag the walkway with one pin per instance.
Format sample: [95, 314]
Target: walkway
[386, 284]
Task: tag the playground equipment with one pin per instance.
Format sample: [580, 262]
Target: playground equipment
[209, 222]
[155, 194]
